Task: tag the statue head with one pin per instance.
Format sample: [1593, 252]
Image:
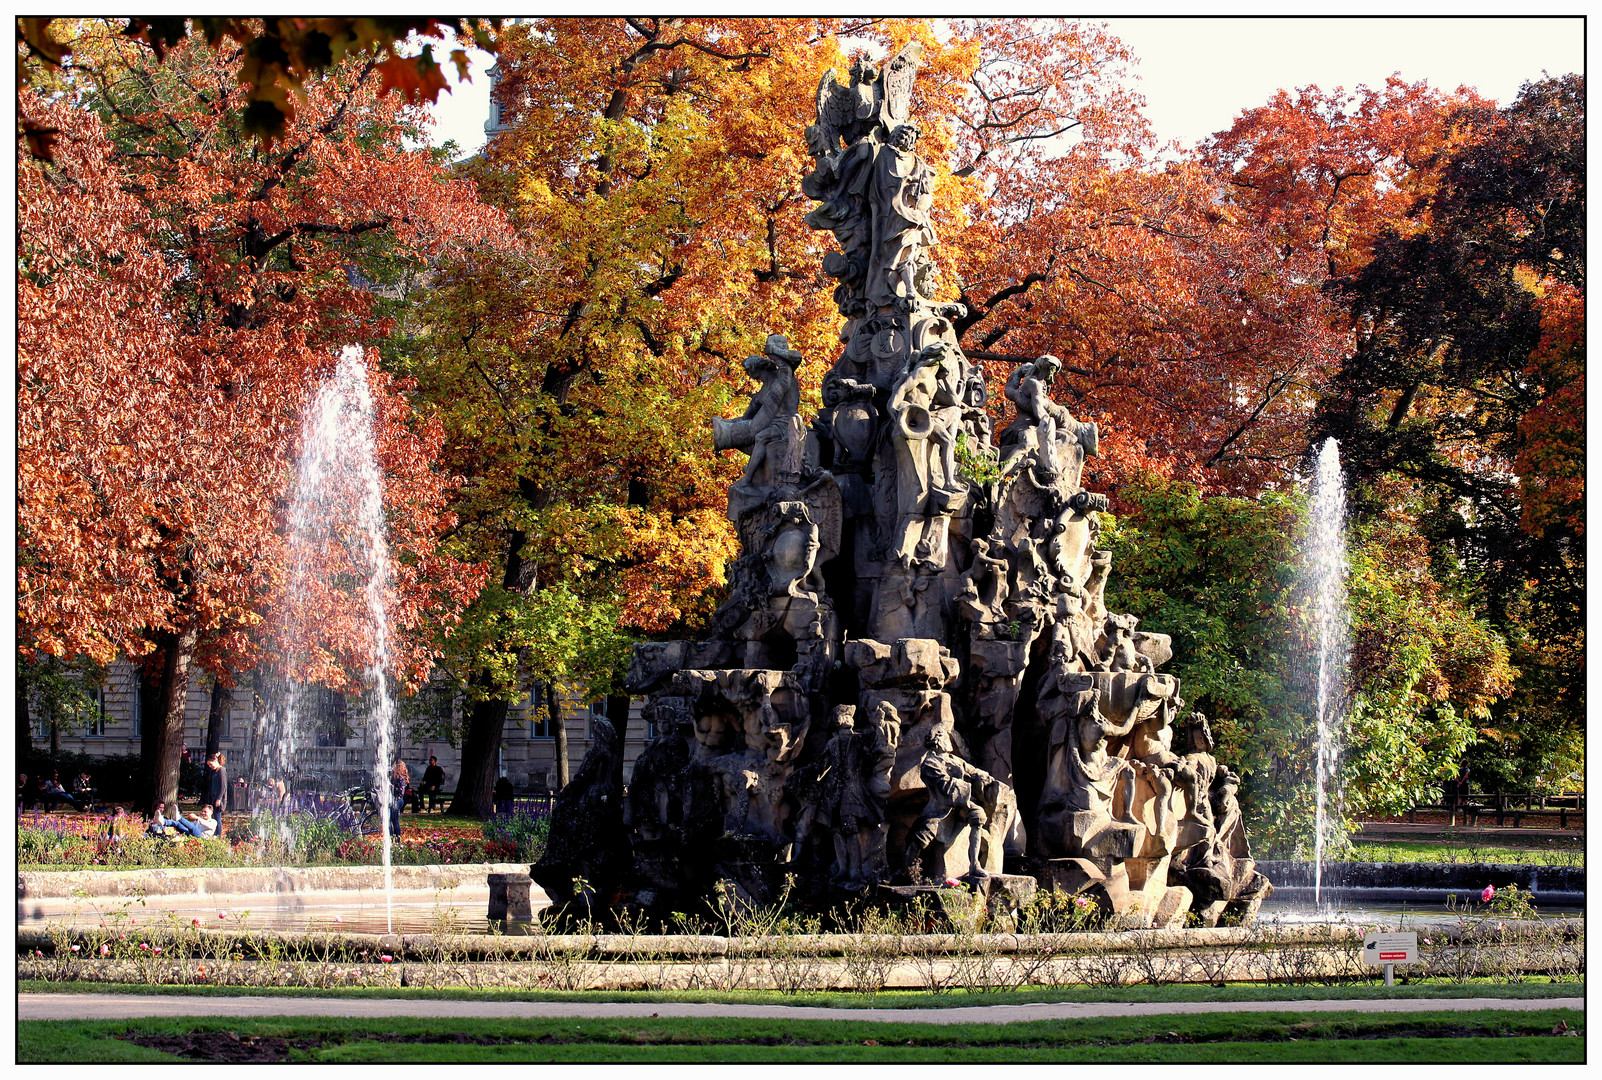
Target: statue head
[1120, 627]
[974, 392]
[845, 716]
[1199, 734]
[905, 136]
[1092, 733]
[885, 713]
[937, 741]
[932, 354]
[778, 348]
[863, 71]
[793, 512]
[1047, 368]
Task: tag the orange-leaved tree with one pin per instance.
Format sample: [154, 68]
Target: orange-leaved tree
[163, 371]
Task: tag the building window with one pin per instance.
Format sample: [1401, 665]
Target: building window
[329, 716]
[97, 713]
[537, 715]
[138, 712]
[597, 711]
[225, 721]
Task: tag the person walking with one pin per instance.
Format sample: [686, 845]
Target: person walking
[433, 782]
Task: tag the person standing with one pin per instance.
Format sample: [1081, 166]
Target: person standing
[503, 796]
[399, 777]
[433, 782]
[216, 786]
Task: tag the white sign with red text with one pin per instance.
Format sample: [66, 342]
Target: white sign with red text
[1392, 947]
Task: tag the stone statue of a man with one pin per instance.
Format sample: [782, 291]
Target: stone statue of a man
[957, 790]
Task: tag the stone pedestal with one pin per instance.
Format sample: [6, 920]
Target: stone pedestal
[509, 898]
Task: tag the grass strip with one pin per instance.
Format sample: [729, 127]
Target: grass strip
[1425, 851]
[889, 999]
[1482, 1035]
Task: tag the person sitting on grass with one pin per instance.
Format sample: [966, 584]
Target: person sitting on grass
[199, 826]
[204, 826]
[158, 821]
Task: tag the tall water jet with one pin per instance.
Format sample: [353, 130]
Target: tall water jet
[1324, 569]
[339, 577]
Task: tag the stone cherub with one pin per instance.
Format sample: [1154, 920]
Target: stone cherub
[957, 791]
[1121, 654]
[771, 421]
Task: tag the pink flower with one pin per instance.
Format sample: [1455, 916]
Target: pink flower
[195, 921]
[158, 948]
[1490, 891]
[75, 948]
[144, 945]
[105, 950]
[386, 958]
[952, 883]
[222, 914]
[338, 919]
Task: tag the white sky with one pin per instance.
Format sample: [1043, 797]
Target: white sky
[1197, 74]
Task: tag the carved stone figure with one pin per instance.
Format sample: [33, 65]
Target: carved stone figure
[980, 712]
[845, 796]
[793, 552]
[770, 429]
[958, 793]
[925, 412]
[588, 851]
[903, 191]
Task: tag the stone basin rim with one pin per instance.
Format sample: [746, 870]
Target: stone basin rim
[204, 881]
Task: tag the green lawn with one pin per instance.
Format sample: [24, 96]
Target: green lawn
[889, 999]
[1481, 1036]
[1559, 853]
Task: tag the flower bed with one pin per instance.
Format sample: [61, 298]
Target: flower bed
[84, 841]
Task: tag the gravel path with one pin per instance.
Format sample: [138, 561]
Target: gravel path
[127, 1006]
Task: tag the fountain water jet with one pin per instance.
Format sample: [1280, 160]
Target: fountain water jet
[1324, 569]
[336, 538]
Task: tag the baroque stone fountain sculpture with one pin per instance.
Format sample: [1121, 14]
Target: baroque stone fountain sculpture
[915, 677]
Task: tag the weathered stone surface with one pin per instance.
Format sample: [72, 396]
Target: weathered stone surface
[915, 675]
[509, 897]
[588, 850]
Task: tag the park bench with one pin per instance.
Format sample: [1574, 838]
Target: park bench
[1505, 805]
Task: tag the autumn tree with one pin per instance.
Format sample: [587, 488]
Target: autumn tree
[180, 292]
[1221, 575]
[279, 55]
[1467, 381]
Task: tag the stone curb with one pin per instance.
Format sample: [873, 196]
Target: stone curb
[252, 881]
[126, 1006]
[693, 947]
[1462, 877]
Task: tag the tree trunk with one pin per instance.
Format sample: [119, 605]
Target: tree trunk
[559, 728]
[221, 701]
[486, 724]
[617, 711]
[475, 787]
[55, 736]
[24, 722]
[167, 726]
[149, 691]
